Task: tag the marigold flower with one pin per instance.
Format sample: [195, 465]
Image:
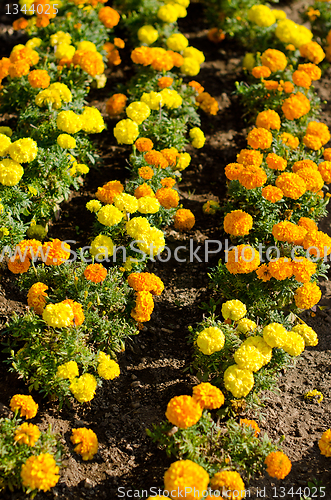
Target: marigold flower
[126, 203]
[86, 441]
[147, 34]
[324, 443]
[148, 205]
[20, 24]
[281, 269]
[289, 140]
[83, 388]
[239, 381]
[116, 104]
[109, 17]
[303, 164]
[263, 272]
[274, 59]
[307, 333]
[311, 70]
[252, 424]
[259, 138]
[313, 179]
[183, 411]
[320, 131]
[268, 119]
[171, 155]
[142, 55]
[246, 325]
[233, 170]
[207, 103]
[167, 197]
[69, 122]
[138, 111]
[40, 472]
[278, 464]
[210, 207]
[126, 131]
[110, 215]
[197, 137]
[318, 243]
[102, 247]
[272, 193]
[261, 72]
[294, 344]
[275, 335]
[208, 396]
[309, 224]
[252, 177]
[36, 294]
[190, 66]
[27, 434]
[39, 79]
[261, 15]
[259, 343]
[233, 310]
[326, 153]
[248, 157]
[25, 404]
[143, 144]
[307, 295]
[210, 340]
[314, 395]
[95, 273]
[143, 191]
[242, 259]
[276, 162]
[184, 220]
[23, 150]
[18, 266]
[144, 307]
[215, 35]
[55, 252]
[107, 368]
[187, 479]
[58, 315]
[312, 51]
[296, 106]
[108, 191]
[156, 159]
[92, 121]
[148, 282]
[292, 185]
[324, 169]
[248, 357]
[301, 79]
[197, 86]
[165, 82]
[68, 370]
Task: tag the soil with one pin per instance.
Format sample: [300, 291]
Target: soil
[153, 364]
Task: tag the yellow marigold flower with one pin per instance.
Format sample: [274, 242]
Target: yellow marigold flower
[153, 99]
[261, 15]
[239, 381]
[148, 205]
[238, 223]
[83, 388]
[233, 170]
[292, 185]
[137, 226]
[143, 144]
[296, 106]
[307, 333]
[278, 464]
[307, 295]
[95, 273]
[275, 335]
[208, 396]
[177, 42]
[248, 357]
[324, 443]
[60, 37]
[276, 162]
[294, 344]
[190, 66]
[147, 34]
[110, 215]
[246, 325]
[144, 307]
[27, 434]
[186, 479]
[66, 141]
[138, 111]
[68, 370]
[183, 411]
[312, 51]
[259, 138]
[92, 121]
[77, 309]
[197, 137]
[274, 59]
[102, 247]
[11, 172]
[69, 122]
[40, 472]
[210, 340]
[234, 310]
[23, 150]
[314, 395]
[303, 269]
[171, 98]
[261, 72]
[25, 404]
[156, 159]
[272, 193]
[259, 343]
[289, 140]
[301, 79]
[252, 177]
[107, 368]
[167, 197]
[242, 259]
[93, 205]
[86, 441]
[116, 104]
[184, 159]
[192, 52]
[318, 243]
[39, 79]
[126, 131]
[252, 424]
[268, 119]
[109, 17]
[58, 315]
[36, 294]
[167, 13]
[281, 269]
[126, 203]
[184, 220]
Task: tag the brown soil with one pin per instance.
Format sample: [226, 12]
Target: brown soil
[152, 367]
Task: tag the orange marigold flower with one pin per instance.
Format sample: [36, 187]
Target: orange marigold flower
[276, 162]
[118, 42]
[312, 70]
[42, 21]
[327, 154]
[312, 51]
[77, 310]
[162, 62]
[18, 69]
[29, 248]
[208, 396]
[318, 243]
[171, 155]
[114, 58]
[142, 55]
[272, 193]
[215, 35]
[271, 85]
[146, 173]
[242, 259]
[25, 53]
[289, 232]
[307, 296]
[274, 59]
[143, 144]
[36, 297]
[55, 252]
[207, 103]
[232, 171]
[259, 138]
[197, 86]
[250, 157]
[252, 424]
[90, 61]
[278, 464]
[156, 159]
[165, 82]
[28, 408]
[146, 282]
[324, 169]
[301, 79]
[291, 184]
[303, 164]
[261, 72]
[288, 87]
[229, 481]
[263, 272]
[20, 24]
[295, 106]
[303, 269]
[281, 269]
[168, 182]
[95, 273]
[324, 443]
[317, 134]
[313, 179]
[238, 223]
[177, 59]
[39, 79]
[167, 197]
[17, 265]
[108, 191]
[268, 119]
[4, 67]
[143, 190]
[252, 177]
[184, 220]
[309, 224]
[183, 411]
[144, 307]
[116, 104]
[109, 17]
[289, 140]
[47, 9]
